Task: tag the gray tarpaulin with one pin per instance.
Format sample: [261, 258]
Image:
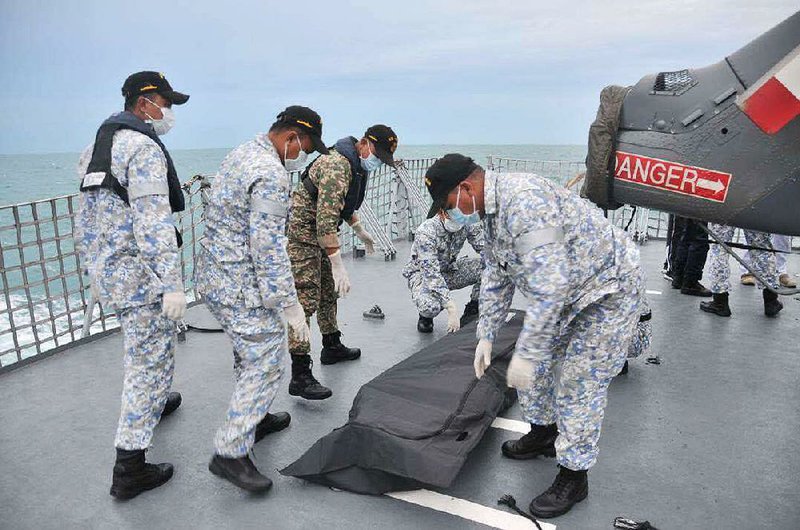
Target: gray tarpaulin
[415, 424]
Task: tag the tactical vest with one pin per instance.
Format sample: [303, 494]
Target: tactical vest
[358, 183]
[98, 173]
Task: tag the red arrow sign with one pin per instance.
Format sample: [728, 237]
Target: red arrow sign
[673, 177]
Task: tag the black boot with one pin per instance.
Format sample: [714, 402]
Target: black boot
[772, 306]
[174, 400]
[569, 488]
[272, 423]
[695, 288]
[425, 324]
[132, 475]
[718, 305]
[677, 282]
[241, 472]
[303, 382]
[540, 441]
[334, 351]
[470, 312]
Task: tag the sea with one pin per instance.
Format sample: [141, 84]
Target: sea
[30, 177]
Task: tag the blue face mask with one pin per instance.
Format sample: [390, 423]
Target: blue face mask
[371, 163]
[460, 217]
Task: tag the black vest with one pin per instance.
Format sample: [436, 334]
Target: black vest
[101, 158]
[358, 183]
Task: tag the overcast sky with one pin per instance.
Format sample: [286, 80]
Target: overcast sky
[459, 71]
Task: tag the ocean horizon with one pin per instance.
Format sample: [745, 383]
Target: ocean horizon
[36, 176]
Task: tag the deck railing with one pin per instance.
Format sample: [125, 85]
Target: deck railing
[44, 297]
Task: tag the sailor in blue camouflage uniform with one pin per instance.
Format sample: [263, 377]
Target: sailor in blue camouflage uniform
[128, 248]
[434, 269]
[763, 262]
[245, 277]
[582, 283]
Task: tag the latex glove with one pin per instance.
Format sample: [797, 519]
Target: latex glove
[364, 236]
[453, 320]
[173, 306]
[295, 317]
[483, 357]
[341, 282]
[520, 373]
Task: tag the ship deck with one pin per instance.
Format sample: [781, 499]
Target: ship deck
[706, 439]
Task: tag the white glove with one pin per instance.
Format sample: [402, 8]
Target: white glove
[483, 357]
[364, 236]
[295, 317]
[453, 320]
[520, 373]
[341, 282]
[173, 305]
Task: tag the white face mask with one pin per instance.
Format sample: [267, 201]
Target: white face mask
[161, 126]
[294, 164]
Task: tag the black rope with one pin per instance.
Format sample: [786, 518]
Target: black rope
[511, 502]
[633, 216]
[751, 247]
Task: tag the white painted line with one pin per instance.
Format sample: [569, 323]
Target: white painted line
[468, 510]
[650, 291]
[511, 425]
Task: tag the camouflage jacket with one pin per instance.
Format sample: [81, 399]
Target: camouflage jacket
[243, 258]
[435, 250]
[129, 252]
[317, 223]
[556, 248]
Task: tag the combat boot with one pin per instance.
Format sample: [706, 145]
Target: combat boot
[772, 306]
[540, 441]
[333, 351]
[303, 382]
[425, 324]
[718, 305]
[132, 475]
[272, 423]
[569, 488]
[470, 312]
[174, 401]
[695, 288]
[240, 471]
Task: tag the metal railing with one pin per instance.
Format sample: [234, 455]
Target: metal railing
[45, 298]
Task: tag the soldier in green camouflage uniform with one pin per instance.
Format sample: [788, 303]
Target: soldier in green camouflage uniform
[331, 191]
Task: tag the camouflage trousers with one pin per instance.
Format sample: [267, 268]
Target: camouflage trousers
[591, 350]
[259, 347]
[316, 292]
[149, 342]
[762, 262]
[465, 272]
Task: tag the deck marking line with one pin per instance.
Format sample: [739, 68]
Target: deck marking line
[468, 510]
[511, 425]
[650, 291]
